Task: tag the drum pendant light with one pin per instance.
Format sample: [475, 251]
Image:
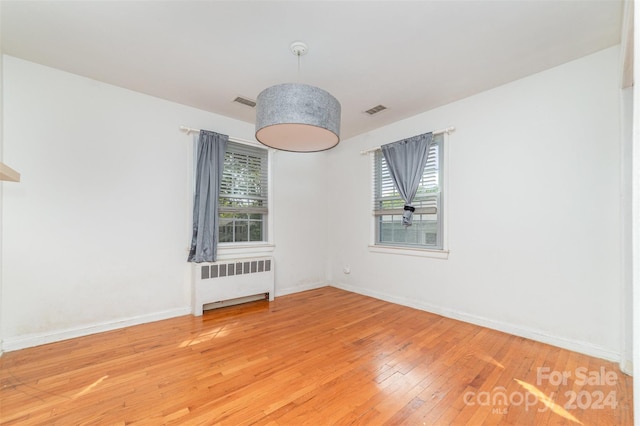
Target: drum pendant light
[297, 117]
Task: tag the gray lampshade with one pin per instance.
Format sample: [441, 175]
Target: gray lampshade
[297, 117]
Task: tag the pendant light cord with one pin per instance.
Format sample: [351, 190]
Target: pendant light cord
[298, 48]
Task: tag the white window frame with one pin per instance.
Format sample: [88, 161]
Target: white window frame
[239, 250]
[442, 253]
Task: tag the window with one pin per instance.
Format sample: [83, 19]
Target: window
[243, 195]
[426, 231]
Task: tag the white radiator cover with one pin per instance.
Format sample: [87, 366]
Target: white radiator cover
[231, 279]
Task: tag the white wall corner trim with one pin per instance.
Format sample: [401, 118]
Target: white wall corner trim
[36, 339]
[635, 225]
[528, 333]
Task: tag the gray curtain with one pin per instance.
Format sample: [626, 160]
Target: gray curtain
[211, 149]
[406, 160]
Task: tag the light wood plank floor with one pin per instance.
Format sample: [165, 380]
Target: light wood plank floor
[321, 357]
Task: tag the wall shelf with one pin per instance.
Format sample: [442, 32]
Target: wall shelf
[8, 174]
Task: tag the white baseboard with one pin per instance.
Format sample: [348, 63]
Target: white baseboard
[21, 342]
[570, 344]
[299, 288]
[26, 341]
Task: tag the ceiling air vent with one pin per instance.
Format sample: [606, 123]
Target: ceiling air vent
[245, 101]
[376, 109]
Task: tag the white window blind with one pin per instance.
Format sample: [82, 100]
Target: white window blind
[243, 194]
[426, 230]
[243, 188]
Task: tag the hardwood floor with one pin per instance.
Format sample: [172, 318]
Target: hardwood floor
[321, 357]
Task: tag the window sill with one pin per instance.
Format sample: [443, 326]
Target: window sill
[406, 251]
[229, 251]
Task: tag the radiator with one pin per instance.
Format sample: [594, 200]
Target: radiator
[231, 279]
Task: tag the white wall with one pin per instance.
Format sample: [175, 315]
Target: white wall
[534, 210]
[95, 236]
[300, 215]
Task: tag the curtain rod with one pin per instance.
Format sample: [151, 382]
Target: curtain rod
[448, 131]
[189, 130]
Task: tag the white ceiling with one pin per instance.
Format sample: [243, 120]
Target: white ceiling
[409, 56]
